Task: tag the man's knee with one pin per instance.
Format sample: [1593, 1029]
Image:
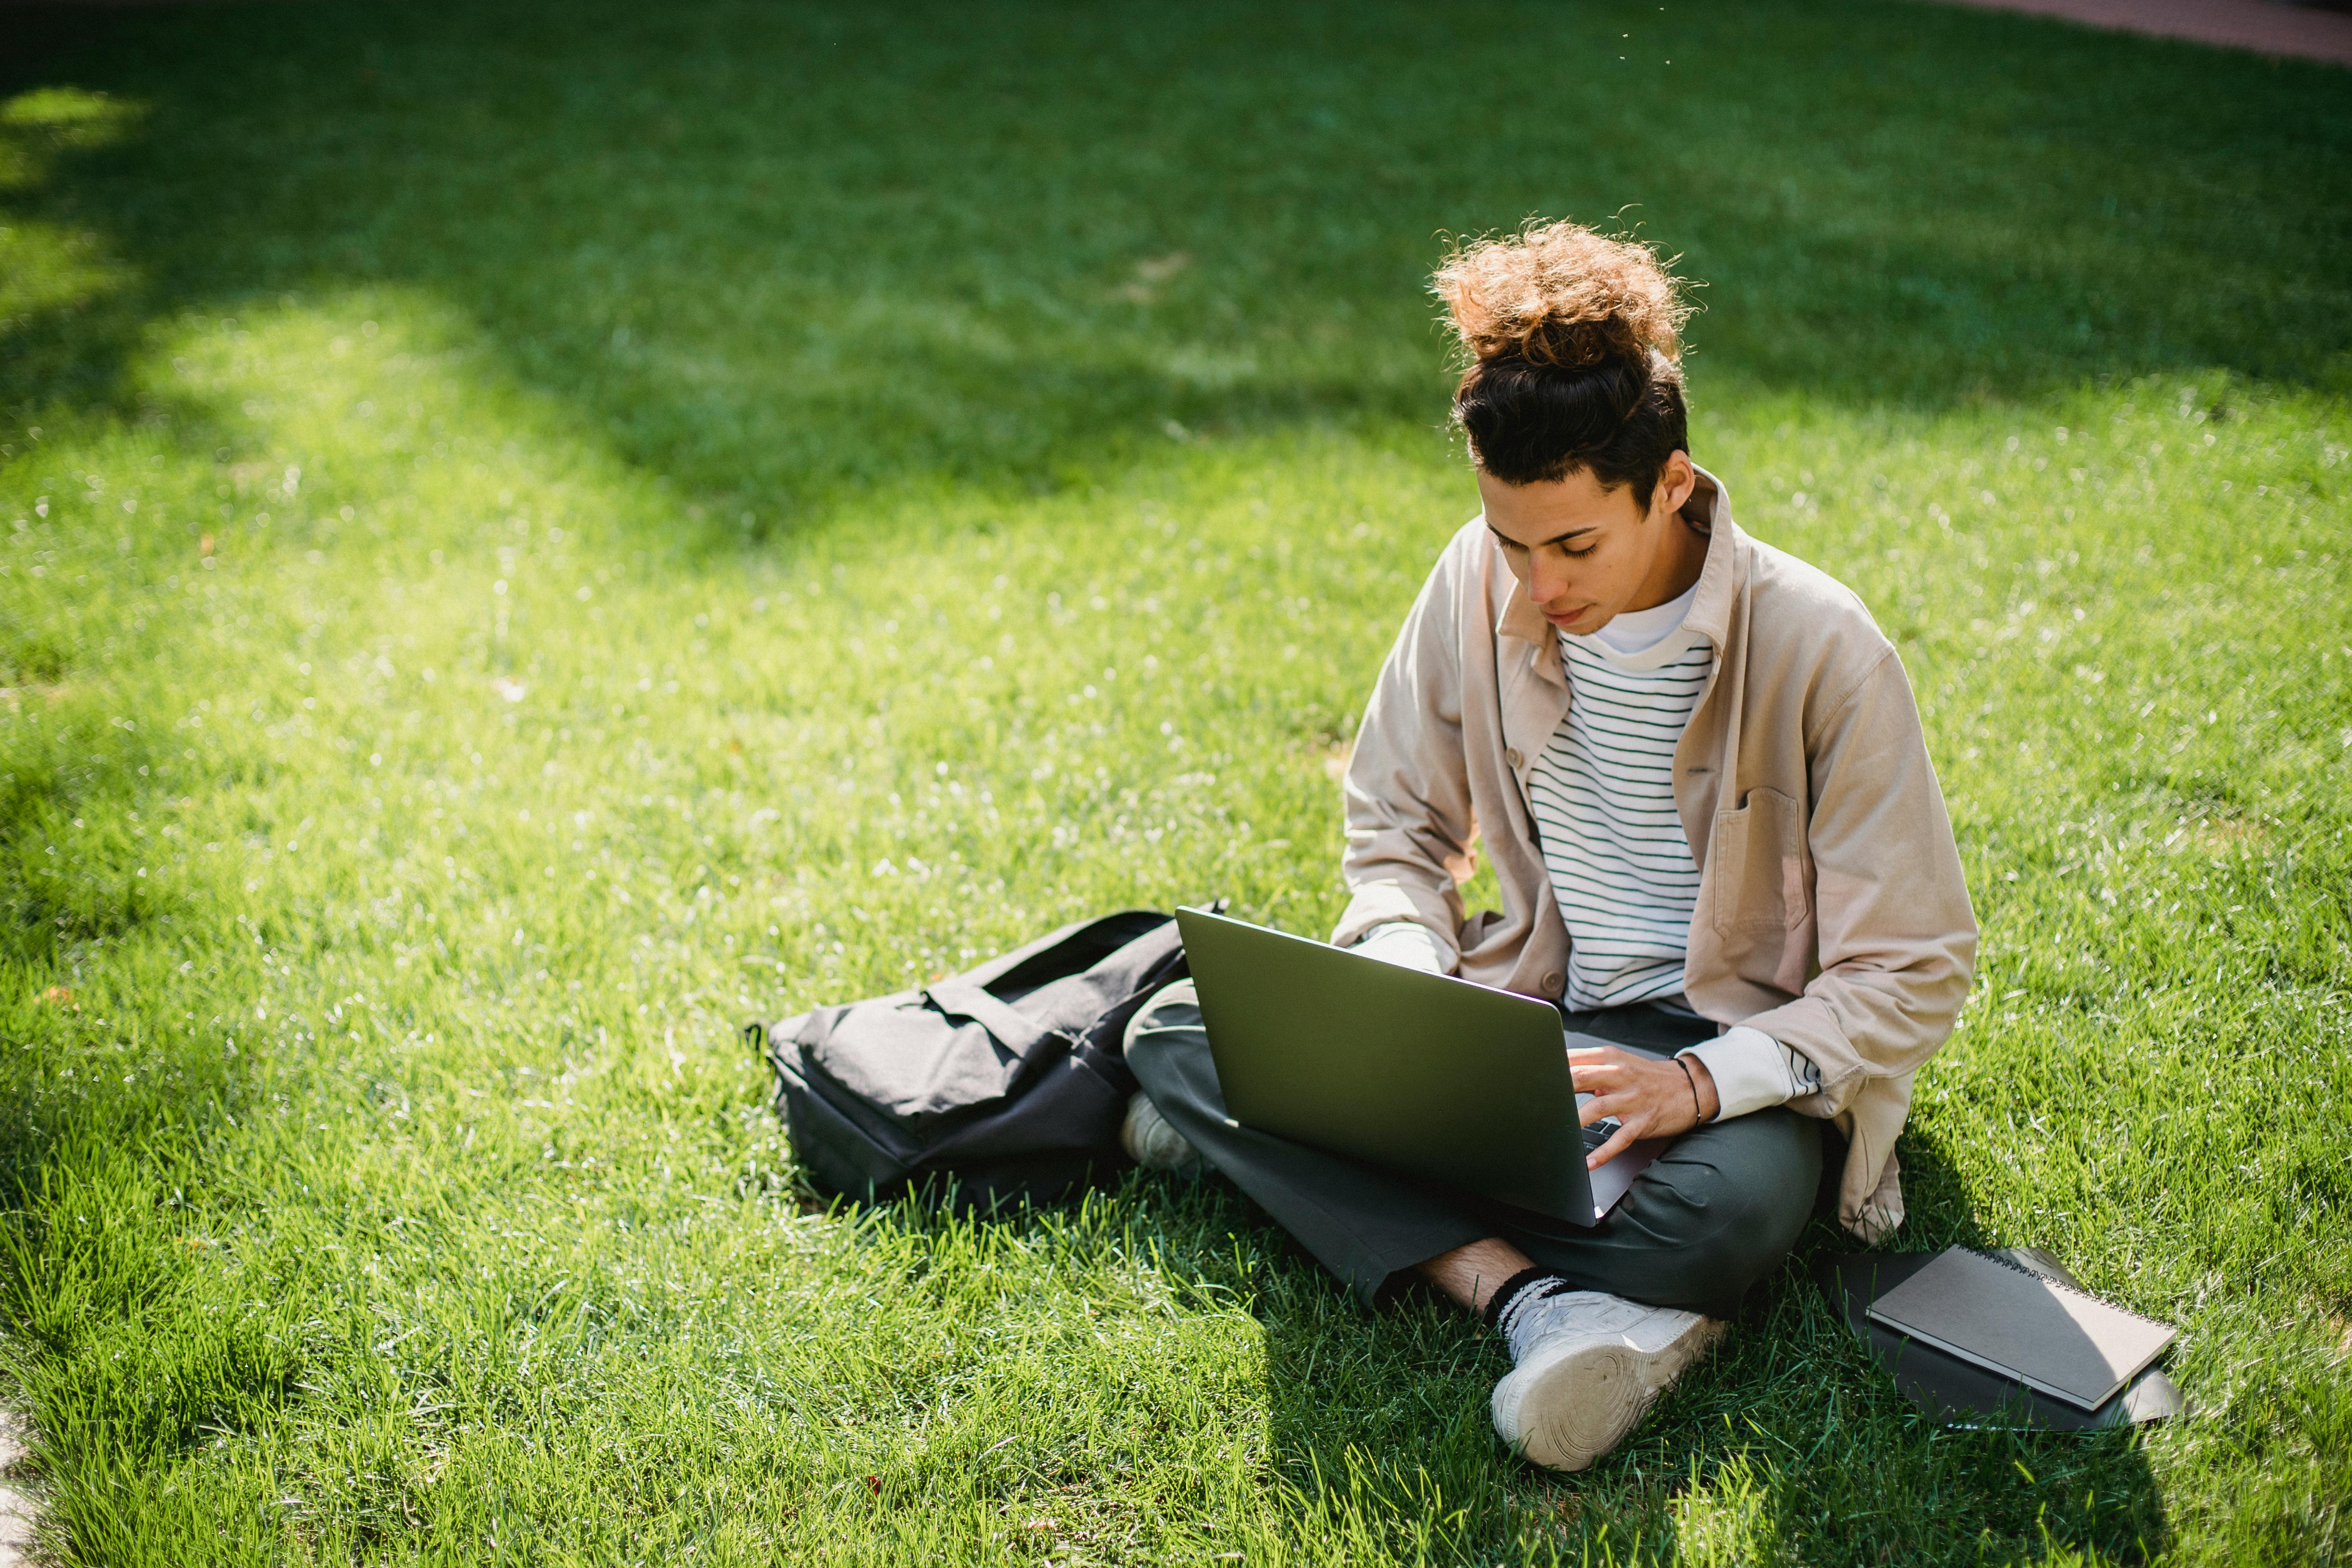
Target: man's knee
[1172, 1008]
[1732, 1205]
[1163, 1041]
[1753, 1230]
[1765, 1169]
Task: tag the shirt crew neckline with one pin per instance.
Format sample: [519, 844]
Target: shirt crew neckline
[1645, 641]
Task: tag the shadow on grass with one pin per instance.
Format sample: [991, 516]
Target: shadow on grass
[1790, 1444]
[136, 1335]
[783, 254]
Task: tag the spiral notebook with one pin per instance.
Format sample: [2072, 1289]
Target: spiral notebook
[2008, 1320]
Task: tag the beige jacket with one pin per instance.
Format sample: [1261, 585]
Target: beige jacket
[1832, 912]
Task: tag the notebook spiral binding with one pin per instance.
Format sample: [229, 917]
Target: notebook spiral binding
[2072, 1289]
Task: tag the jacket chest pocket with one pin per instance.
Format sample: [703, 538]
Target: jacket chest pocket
[1756, 862]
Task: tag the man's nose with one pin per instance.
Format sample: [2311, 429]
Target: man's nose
[1547, 577]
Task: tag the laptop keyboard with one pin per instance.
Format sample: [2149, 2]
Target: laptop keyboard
[1601, 1131]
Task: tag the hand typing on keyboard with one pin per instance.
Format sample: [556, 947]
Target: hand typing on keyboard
[1598, 1133]
[1631, 1096]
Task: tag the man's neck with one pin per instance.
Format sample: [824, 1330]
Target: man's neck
[1682, 555]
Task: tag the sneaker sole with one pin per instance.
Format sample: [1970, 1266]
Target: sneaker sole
[1569, 1412]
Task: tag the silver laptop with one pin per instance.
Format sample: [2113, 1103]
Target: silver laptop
[1423, 1074]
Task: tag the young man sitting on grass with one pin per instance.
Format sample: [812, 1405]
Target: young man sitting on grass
[1697, 768]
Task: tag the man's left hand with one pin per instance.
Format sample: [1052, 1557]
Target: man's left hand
[1650, 1099]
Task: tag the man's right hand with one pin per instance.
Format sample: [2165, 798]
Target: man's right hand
[1650, 1099]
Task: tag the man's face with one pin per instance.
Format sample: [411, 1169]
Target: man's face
[1585, 555]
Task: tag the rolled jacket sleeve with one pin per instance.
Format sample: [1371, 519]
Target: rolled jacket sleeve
[1751, 1068]
[1408, 945]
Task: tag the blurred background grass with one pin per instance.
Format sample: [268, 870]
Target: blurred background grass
[539, 533]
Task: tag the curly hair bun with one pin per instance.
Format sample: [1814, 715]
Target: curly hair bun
[1561, 294]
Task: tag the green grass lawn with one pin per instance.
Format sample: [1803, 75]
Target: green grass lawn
[537, 534]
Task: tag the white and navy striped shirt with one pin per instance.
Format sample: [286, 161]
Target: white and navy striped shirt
[1621, 867]
[1605, 806]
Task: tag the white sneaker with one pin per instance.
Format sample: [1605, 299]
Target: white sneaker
[1151, 1142]
[1594, 1363]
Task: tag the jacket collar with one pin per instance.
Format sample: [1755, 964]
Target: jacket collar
[1710, 612]
[1718, 576]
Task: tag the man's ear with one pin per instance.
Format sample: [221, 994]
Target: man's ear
[1676, 482]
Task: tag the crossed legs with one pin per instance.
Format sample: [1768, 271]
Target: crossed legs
[1601, 1317]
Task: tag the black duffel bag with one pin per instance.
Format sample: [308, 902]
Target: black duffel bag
[1003, 1083]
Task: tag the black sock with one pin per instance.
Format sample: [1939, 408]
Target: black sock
[1541, 1281]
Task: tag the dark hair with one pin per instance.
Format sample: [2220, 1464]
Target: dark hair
[1619, 420]
[1574, 338]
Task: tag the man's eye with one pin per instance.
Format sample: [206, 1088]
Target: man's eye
[1587, 550]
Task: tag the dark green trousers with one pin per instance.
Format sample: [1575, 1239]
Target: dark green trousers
[1715, 1213]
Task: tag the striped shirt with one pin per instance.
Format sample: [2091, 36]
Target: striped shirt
[1605, 806]
[1620, 869]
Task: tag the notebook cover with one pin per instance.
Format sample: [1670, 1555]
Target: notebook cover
[2008, 1320]
[1961, 1394]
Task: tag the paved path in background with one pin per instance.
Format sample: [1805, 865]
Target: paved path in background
[2265, 26]
[17, 1510]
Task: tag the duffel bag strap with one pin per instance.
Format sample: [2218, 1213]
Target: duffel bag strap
[1016, 1031]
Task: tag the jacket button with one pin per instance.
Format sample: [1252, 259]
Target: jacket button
[1512, 756]
[1553, 981]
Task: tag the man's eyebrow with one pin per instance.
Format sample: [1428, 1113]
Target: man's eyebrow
[1557, 539]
